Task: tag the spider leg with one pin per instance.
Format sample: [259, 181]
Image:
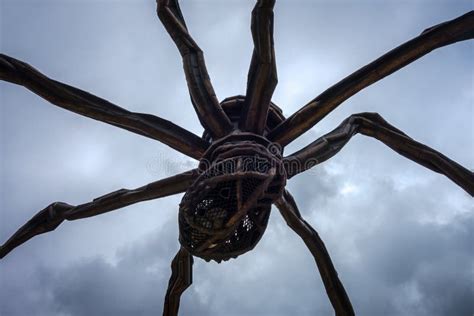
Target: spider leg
[181, 279]
[262, 76]
[459, 29]
[203, 97]
[86, 104]
[373, 125]
[334, 288]
[53, 215]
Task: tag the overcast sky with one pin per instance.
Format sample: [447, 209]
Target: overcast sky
[400, 235]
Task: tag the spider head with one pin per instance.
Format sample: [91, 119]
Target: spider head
[225, 211]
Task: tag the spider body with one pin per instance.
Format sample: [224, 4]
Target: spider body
[242, 170]
[224, 213]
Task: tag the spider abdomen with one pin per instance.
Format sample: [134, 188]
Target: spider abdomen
[225, 212]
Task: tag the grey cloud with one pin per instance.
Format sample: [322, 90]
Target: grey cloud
[400, 235]
[403, 267]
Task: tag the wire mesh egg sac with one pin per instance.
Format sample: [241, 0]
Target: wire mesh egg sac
[225, 212]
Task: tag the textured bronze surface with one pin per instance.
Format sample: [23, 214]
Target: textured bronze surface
[242, 171]
[181, 278]
[459, 29]
[334, 288]
[225, 211]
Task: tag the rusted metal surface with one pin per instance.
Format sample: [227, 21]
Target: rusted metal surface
[262, 77]
[242, 170]
[225, 211]
[203, 97]
[54, 214]
[181, 278]
[459, 29]
[373, 125]
[86, 104]
[334, 288]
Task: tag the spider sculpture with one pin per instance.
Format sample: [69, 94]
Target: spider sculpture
[242, 170]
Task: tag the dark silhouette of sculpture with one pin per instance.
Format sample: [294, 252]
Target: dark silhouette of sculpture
[242, 170]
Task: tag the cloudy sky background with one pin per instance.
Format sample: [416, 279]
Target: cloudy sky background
[399, 235]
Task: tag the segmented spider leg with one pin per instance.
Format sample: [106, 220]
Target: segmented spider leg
[262, 76]
[334, 288]
[203, 97]
[86, 104]
[53, 215]
[459, 29]
[373, 125]
[181, 279]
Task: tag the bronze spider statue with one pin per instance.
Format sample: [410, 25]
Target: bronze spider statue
[242, 170]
